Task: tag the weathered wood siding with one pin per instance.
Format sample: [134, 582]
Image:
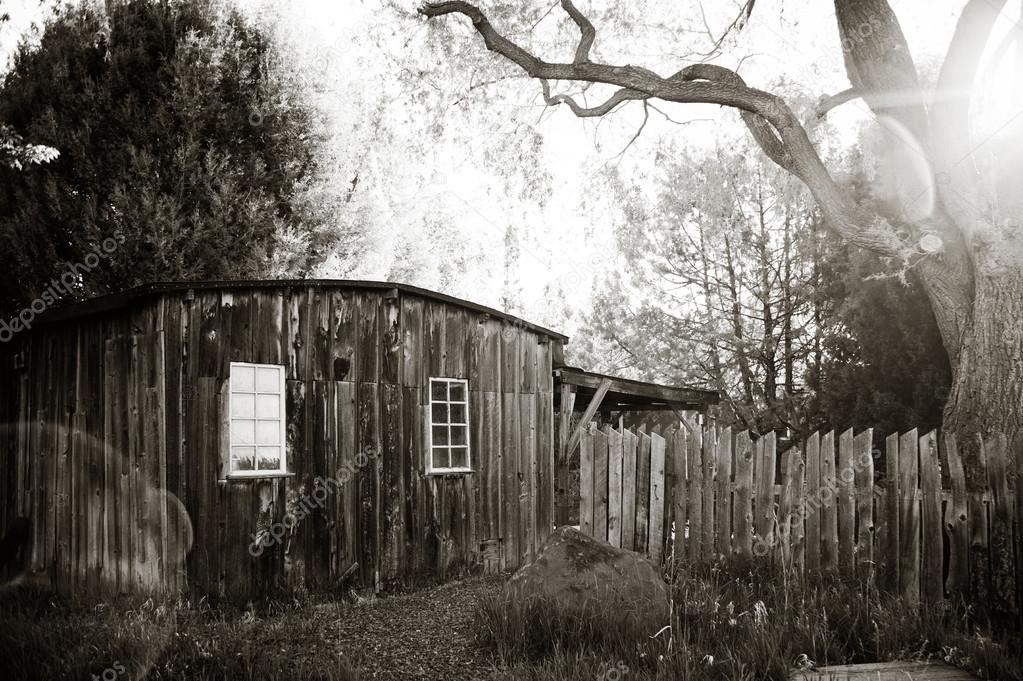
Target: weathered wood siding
[116, 430]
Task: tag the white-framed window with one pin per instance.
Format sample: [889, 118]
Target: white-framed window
[258, 422]
[449, 426]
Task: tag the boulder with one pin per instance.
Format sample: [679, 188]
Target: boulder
[579, 573]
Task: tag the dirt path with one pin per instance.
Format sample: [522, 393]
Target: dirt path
[426, 634]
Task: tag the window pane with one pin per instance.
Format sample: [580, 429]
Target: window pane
[459, 457]
[457, 413]
[458, 392]
[458, 435]
[440, 457]
[243, 405]
[242, 378]
[268, 406]
[268, 380]
[439, 390]
[440, 435]
[440, 413]
[268, 432]
[243, 432]
[243, 458]
[269, 458]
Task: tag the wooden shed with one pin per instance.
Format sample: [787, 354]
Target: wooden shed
[234, 436]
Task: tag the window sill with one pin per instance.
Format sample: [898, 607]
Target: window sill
[451, 471]
[236, 477]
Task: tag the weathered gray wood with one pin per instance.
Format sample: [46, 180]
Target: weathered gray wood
[615, 464]
[588, 413]
[657, 486]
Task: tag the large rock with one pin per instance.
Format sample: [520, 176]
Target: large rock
[578, 572]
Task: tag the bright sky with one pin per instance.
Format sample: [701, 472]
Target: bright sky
[566, 241]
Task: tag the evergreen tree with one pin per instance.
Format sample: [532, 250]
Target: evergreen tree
[185, 152]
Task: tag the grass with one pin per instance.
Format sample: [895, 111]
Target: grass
[730, 621]
[46, 637]
[740, 621]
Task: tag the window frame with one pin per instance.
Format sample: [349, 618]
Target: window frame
[282, 469]
[431, 469]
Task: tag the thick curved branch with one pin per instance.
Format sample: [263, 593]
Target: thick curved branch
[878, 62]
[772, 123]
[952, 150]
[582, 52]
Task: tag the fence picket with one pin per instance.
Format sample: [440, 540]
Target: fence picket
[909, 517]
[863, 463]
[601, 491]
[614, 486]
[680, 494]
[656, 525]
[630, 444]
[829, 510]
[695, 467]
[893, 513]
[957, 522]
[710, 441]
[790, 530]
[813, 503]
[587, 483]
[640, 490]
[764, 508]
[723, 492]
[742, 508]
[931, 588]
[845, 478]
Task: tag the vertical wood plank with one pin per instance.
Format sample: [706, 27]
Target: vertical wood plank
[510, 483]
[957, 522]
[630, 444]
[642, 493]
[790, 520]
[723, 492]
[615, 472]
[829, 506]
[680, 496]
[599, 481]
[846, 478]
[710, 444]
[657, 481]
[766, 513]
[742, 510]
[909, 517]
[893, 514]
[932, 590]
[527, 478]
[863, 460]
[694, 536]
[812, 543]
[587, 481]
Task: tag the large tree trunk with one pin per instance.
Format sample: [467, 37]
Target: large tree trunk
[987, 385]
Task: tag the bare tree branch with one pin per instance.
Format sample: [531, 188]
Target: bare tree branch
[771, 121]
[582, 52]
[617, 98]
[828, 102]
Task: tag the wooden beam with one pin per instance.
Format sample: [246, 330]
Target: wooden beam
[591, 409]
[629, 387]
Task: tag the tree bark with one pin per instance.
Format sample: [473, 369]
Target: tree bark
[987, 385]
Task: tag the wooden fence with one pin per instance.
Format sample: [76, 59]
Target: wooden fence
[696, 494]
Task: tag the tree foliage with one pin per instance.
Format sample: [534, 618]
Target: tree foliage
[179, 133]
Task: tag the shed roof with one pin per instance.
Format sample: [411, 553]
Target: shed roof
[125, 299]
[626, 394]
